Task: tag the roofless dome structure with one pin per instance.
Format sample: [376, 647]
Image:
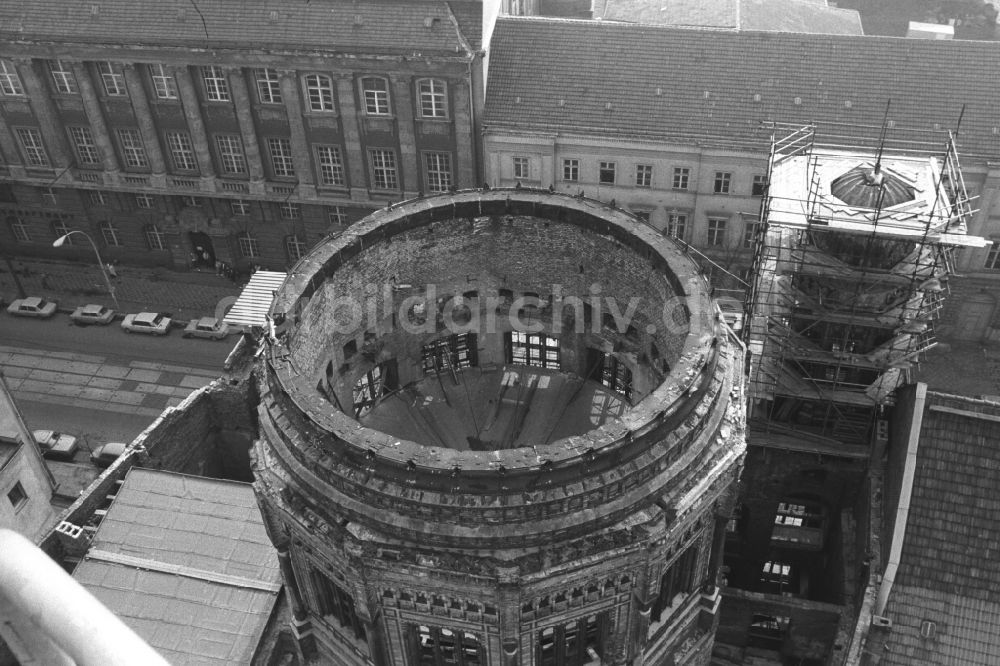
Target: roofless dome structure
[500, 427]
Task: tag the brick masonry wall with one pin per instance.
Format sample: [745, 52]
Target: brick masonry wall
[813, 624]
[194, 438]
[518, 254]
[771, 477]
[209, 434]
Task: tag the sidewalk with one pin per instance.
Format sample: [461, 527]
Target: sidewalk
[186, 295]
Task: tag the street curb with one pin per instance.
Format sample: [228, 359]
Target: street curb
[174, 323]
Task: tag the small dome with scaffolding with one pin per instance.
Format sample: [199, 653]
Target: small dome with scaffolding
[863, 185]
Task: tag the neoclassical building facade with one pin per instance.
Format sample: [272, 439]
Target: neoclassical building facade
[241, 133]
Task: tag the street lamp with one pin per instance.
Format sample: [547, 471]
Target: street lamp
[107, 280]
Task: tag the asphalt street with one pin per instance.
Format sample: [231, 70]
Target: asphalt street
[59, 334]
[99, 383]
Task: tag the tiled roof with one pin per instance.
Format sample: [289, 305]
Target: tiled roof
[803, 16]
[186, 563]
[949, 571]
[716, 14]
[684, 85]
[388, 26]
[798, 16]
[469, 14]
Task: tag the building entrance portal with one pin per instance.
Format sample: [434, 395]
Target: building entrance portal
[202, 250]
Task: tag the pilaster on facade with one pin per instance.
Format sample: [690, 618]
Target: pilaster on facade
[13, 164]
[196, 126]
[367, 601]
[147, 126]
[46, 114]
[645, 593]
[468, 160]
[248, 130]
[509, 613]
[301, 156]
[299, 613]
[207, 184]
[357, 160]
[412, 182]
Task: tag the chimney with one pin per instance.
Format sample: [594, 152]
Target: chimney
[919, 30]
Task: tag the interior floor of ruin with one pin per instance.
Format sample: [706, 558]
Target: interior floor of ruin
[486, 409]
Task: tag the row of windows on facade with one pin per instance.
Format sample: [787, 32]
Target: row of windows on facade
[318, 90]
[718, 228]
[156, 239]
[574, 643]
[287, 210]
[330, 161]
[607, 174]
[577, 642]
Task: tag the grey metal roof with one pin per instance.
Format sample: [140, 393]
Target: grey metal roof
[185, 561]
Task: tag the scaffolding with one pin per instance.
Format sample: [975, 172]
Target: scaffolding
[850, 266]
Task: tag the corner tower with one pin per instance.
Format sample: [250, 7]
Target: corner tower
[500, 427]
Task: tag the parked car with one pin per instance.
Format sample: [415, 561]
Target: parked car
[105, 454]
[56, 444]
[153, 323]
[206, 327]
[92, 314]
[32, 307]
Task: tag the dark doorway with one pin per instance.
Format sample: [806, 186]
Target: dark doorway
[202, 250]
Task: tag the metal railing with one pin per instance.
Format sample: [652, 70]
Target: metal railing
[47, 617]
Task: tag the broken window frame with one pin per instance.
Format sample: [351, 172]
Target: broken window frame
[534, 350]
[455, 351]
[431, 646]
[367, 391]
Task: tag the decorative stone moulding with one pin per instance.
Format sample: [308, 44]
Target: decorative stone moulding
[515, 497]
[575, 526]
